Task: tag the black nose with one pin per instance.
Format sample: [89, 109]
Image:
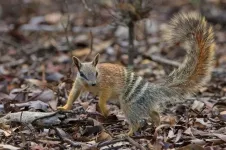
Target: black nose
[93, 84]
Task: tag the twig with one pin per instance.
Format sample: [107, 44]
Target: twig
[76, 29]
[110, 142]
[12, 43]
[90, 45]
[113, 141]
[131, 45]
[161, 60]
[66, 27]
[86, 6]
[66, 35]
[43, 73]
[133, 142]
[73, 143]
[69, 141]
[33, 97]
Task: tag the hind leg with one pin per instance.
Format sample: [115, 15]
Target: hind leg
[132, 129]
[155, 117]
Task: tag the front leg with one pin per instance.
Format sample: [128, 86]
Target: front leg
[132, 129]
[104, 96]
[74, 94]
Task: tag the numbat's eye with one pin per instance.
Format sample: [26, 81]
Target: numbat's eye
[96, 74]
[82, 75]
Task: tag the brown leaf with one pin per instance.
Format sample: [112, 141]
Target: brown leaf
[191, 147]
[197, 105]
[103, 136]
[223, 116]
[201, 123]
[81, 52]
[85, 105]
[98, 48]
[6, 132]
[53, 18]
[91, 108]
[168, 120]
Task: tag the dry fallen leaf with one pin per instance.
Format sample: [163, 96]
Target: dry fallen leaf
[98, 48]
[201, 123]
[81, 52]
[168, 120]
[222, 116]
[221, 136]
[103, 136]
[6, 132]
[91, 108]
[53, 18]
[85, 105]
[6, 146]
[197, 105]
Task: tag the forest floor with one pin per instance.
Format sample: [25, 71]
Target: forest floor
[37, 40]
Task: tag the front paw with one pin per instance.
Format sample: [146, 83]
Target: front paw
[65, 107]
[130, 133]
[105, 113]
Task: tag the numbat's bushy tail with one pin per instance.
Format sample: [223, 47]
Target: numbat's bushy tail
[139, 99]
[197, 35]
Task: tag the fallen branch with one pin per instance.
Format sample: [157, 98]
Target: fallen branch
[51, 28]
[25, 117]
[161, 60]
[64, 138]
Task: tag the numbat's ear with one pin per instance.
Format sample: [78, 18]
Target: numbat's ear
[96, 60]
[77, 62]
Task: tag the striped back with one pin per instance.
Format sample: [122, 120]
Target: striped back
[135, 86]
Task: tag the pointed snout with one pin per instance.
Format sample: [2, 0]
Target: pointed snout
[93, 83]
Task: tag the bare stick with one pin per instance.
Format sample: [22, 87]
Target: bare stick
[161, 60]
[66, 27]
[69, 141]
[90, 45]
[131, 44]
[86, 6]
[43, 73]
[66, 34]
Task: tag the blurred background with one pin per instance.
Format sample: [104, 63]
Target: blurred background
[37, 33]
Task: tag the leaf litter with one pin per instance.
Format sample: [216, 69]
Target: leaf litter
[36, 74]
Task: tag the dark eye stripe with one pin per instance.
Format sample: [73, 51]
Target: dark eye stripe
[83, 76]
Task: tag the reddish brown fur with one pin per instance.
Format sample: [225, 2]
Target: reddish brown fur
[111, 77]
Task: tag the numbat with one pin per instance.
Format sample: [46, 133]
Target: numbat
[138, 98]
